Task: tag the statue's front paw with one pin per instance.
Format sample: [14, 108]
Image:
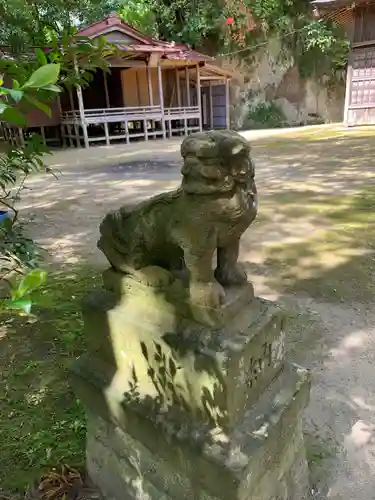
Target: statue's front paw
[207, 294]
[154, 276]
[231, 276]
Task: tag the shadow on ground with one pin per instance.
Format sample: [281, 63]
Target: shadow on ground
[290, 172]
[312, 247]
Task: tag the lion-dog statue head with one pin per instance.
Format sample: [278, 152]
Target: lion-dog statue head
[215, 204]
[215, 161]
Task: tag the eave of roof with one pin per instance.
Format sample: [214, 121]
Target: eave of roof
[146, 45]
[338, 11]
[168, 50]
[211, 69]
[95, 29]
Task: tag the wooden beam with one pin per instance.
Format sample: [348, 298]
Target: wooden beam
[348, 89]
[211, 106]
[106, 133]
[154, 60]
[138, 88]
[62, 127]
[204, 109]
[81, 112]
[21, 136]
[71, 101]
[43, 134]
[187, 86]
[149, 84]
[76, 131]
[107, 103]
[209, 78]
[172, 63]
[199, 98]
[129, 63]
[161, 97]
[227, 104]
[178, 88]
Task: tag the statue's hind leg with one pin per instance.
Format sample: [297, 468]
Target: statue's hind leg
[228, 271]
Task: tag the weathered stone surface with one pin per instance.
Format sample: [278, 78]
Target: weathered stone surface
[185, 384]
[215, 376]
[224, 466]
[135, 464]
[175, 299]
[182, 229]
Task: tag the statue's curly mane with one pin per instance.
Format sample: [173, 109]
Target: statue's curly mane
[160, 199]
[143, 207]
[208, 158]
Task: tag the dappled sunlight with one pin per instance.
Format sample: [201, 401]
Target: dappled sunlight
[104, 155]
[361, 403]
[317, 243]
[312, 247]
[331, 265]
[354, 341]
[36, 397]
[70, 249]
[361, 434]
[304, 196]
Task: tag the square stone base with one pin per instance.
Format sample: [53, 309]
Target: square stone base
[134, 452]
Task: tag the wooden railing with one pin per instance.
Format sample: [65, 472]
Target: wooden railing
[113, 115]
[181, 113]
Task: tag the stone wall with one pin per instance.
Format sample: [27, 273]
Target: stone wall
[273, 78]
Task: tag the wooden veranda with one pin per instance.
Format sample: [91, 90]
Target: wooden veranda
[154, 89]
[358, 18]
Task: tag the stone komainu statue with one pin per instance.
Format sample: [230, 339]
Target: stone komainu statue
[215, 204]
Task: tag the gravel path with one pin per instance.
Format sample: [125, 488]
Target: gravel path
[66, 214]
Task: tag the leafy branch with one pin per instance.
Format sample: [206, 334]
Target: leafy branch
[37, 81]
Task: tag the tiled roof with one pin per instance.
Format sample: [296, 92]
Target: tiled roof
[170, 50]
[338, 11]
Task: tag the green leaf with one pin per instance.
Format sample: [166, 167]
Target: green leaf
[52, 88]
[16, 95]
[3, 107]
[46, 109]
[45, 75]
[30, 282]
[85, 47]
[6, 224]
[41, 57]
[12, 115]
[23, 304]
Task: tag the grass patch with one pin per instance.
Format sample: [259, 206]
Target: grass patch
[42, 423]
[326, 137]
[320, 454]
[336, 263]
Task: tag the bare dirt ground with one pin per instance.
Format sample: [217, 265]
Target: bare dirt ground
[312, 248]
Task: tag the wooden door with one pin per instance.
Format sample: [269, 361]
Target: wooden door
[219, 107]
[360, 89]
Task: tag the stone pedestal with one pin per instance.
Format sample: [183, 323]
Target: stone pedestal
[177, 409]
